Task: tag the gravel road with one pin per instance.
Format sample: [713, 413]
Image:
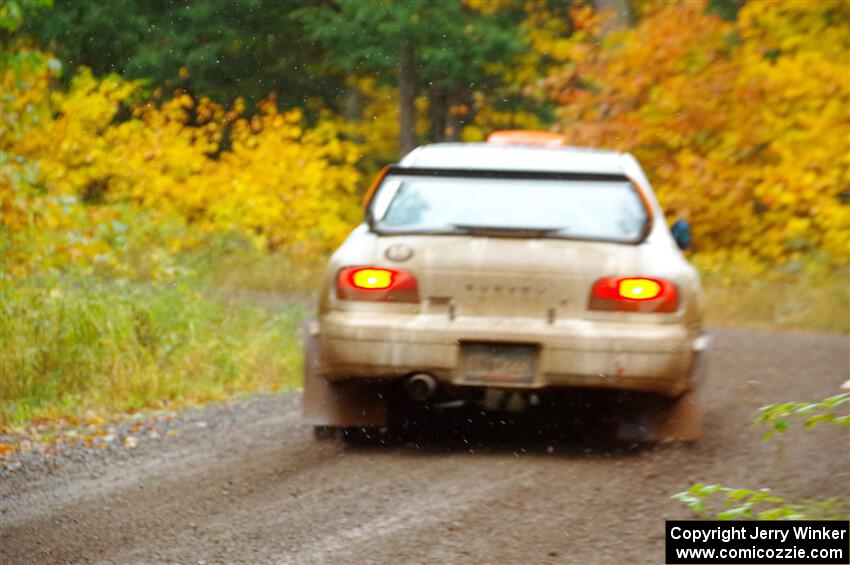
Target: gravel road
[252, 486]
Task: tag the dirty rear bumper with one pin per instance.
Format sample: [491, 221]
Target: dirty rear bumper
[655, 357]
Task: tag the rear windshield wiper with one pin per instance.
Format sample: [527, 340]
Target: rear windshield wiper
[506, 231]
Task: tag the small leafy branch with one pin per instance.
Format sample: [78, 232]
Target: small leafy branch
[762, 504]
[814, 413]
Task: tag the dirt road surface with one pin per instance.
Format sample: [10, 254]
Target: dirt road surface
[254, 487]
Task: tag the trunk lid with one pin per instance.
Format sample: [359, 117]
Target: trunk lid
[541, 278]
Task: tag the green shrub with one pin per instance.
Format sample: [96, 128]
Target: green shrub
[727, 503]
[71, 344]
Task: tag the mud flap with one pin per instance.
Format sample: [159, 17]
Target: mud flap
[344, 404]
[677, 419]
[680, 419]
[665, 420]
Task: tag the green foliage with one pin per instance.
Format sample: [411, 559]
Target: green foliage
[453, 43]
[228, 49]
[455, 49]
[471, 58]
[13, 13]
[72, 344]
[726, 9]
[762, 504]
[812, 414]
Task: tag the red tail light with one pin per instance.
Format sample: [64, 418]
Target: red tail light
[376, 284]
[634, 294]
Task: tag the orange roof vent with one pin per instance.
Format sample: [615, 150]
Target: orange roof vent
[527, 137]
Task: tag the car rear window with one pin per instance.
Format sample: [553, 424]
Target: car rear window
[583, 209]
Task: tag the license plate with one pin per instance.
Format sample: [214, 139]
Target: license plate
[493, 363]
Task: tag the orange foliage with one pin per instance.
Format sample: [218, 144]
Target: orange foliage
[743, 126]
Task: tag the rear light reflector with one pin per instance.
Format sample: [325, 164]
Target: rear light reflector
[634, 294]
[376, 284]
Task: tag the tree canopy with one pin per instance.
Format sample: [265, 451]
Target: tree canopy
[224, 49]
[446, 50]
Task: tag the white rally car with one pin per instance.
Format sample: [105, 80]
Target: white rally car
[519, 265]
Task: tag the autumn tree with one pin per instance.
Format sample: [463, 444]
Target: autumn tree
[741, 124]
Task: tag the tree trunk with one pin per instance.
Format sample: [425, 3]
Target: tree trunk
[352, 105]
[621, 17]
[437, 109]
[406, 100]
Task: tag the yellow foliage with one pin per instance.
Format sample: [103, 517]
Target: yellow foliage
[376, 123]
[489, 118]
[69, 159]
[743, 126]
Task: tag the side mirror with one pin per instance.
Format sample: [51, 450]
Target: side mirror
[681, 232]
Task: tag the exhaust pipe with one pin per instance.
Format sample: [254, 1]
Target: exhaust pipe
[420, 387]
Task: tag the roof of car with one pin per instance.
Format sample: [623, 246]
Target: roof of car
[487, 156]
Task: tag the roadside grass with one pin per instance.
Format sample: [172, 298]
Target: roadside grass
[73, 346]
[242, 269]
[812, 299]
